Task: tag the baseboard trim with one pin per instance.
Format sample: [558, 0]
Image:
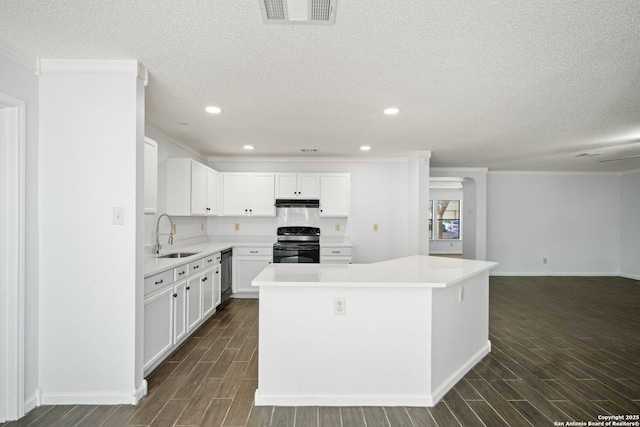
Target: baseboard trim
[552, 274]
[267, 399]
[459, 373]
[95, 398]
[630, 276]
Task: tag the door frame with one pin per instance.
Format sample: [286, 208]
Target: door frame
[12, 256]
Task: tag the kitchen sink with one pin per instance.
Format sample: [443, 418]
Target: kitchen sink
[178, 255]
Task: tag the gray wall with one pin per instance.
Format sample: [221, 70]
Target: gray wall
[21, 82]
[630, 225]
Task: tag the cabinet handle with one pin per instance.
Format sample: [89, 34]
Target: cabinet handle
[204, 279]
[175, 295]
[217, 272]
[196, 266]
[253, 252]
[208, 209]
[188, 288]
[335, 252]
[181, 273]
[161, 280]
[209, 260]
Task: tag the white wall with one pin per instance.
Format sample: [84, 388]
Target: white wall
[570, 219]
[186, 227]
[378, 196]
[630, 225]
[21, 82]
[91, 142]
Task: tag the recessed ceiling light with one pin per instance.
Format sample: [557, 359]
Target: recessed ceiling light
[392, 110]
[248, 147]
[213, 110]
[365, 148]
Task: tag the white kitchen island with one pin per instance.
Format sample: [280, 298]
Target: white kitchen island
[411, 328]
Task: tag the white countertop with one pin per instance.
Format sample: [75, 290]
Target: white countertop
[412, 271]
[154, 265]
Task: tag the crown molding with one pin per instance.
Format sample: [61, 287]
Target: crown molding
[555, 173]
[464, 169]
[18, 55]
[175, 142]
[308, 159]
[91, 66]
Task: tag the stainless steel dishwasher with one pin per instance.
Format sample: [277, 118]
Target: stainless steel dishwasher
[226, 276]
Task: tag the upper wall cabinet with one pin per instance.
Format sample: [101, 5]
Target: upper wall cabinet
[248, 194]
[297, 186]
[150, 175]
[335, 194]
[191, 188]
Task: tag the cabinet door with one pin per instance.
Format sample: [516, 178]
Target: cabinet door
[217, 289]
[198, 189]
[286, 185]
[309, 186]
[158, 310]
[334, 195]
[150, 176]
[246, 268]
[234, 193]
[179, 311]
[194, 301]
[212, 192]
[208, 294]
[262, 195]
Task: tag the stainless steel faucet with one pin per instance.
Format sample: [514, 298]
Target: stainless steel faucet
[157, 247]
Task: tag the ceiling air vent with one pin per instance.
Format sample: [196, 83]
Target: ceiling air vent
[322, 12]
[309, 150]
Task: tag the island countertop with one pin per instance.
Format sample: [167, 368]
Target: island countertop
[412, 271]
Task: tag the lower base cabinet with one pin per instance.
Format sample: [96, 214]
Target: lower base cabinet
[176, 309]
[336, 254]
[247, 264]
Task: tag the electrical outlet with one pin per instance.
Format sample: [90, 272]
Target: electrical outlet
[461, 293]
[202, 226]
[337, 227]
[544, 260]
[237, 227]
[375, 227]
[339, 306]
[175, 227]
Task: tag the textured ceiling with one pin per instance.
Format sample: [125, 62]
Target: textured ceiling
[509, 85]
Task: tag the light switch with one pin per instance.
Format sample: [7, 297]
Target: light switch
[237, 226]
[118, 216]
[375, 227]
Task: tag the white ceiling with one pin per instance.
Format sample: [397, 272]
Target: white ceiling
[509, 85]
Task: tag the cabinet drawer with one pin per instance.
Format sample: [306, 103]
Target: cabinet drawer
[195, 267]
[158, 281]
[211, 260]
[268, 251]
[337, 251]
[180, 272]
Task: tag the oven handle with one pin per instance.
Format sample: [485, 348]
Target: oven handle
[296, 248]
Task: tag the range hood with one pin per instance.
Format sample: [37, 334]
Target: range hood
[297, 203]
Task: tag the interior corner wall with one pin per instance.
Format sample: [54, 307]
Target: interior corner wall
[90, 279]
[21, 82]
[630, 225]
[572, 220]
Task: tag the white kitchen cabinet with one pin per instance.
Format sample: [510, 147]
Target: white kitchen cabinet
[217, 285]
[336, 254]
[335, 194]
[188, 190]
[177, 301]
[194, 301]
[247, 263]
[179, 311]
[150, 175]
[297, 185]
[158, 325]
[248, 194]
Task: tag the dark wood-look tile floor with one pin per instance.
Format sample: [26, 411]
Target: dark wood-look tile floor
[563, 349]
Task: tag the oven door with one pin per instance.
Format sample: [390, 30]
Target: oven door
[296, 254]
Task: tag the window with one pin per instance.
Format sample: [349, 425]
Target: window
[447, 216]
